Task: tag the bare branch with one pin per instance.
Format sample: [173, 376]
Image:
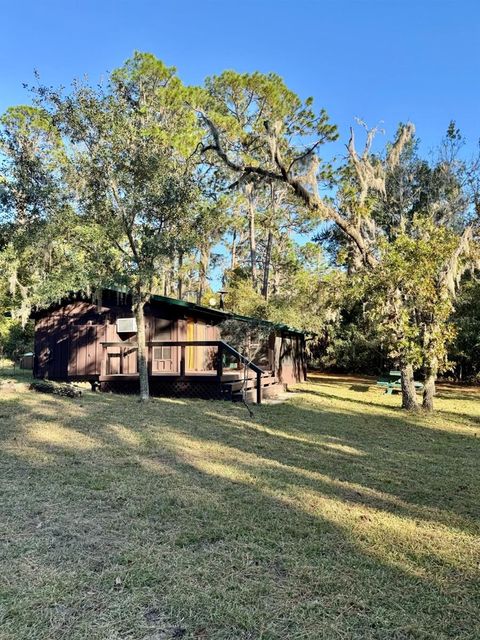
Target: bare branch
[305, 154]
[310, 197]
[370, 176]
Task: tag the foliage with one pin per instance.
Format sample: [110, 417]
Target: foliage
[38, 260]
[15, 339]
[403, 300]
[465, 349]
[56, 388]
[127, 170]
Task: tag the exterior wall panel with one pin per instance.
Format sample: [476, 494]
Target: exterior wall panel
[68, 342]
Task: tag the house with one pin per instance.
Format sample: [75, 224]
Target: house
[83, 339]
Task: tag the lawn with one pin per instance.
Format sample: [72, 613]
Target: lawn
[333, 515]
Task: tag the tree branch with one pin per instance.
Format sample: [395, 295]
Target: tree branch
[311, 200]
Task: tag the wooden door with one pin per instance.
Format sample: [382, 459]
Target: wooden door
[58, 357]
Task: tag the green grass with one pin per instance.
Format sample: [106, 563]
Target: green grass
[333, 515]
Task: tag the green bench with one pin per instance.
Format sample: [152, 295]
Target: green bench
[393, 382]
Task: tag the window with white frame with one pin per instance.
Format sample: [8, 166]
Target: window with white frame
[162, 353]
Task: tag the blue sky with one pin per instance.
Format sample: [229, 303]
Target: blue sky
[381, 60]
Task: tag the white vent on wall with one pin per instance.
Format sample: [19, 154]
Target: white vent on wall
[126, 325]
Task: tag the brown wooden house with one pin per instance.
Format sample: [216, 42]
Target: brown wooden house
[81, 339]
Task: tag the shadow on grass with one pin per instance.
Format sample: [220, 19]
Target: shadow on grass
[362, 388]
[469, 399]
[311, 520]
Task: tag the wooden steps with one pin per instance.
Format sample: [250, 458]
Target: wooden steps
[239, 389]
[251, 395]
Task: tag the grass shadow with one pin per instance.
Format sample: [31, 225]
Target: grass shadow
[318, 518]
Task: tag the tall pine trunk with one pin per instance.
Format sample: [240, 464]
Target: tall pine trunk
[409, 395]
[142, 364]
[203, 270]
[429, 389]
[180, 276]
[268, 249]
[233, 260]
[252, 234]
[266, 270]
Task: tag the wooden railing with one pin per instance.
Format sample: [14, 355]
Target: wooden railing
[222, 347]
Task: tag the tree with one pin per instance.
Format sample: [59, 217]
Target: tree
[418, 218]
[102, 186]
[130, 175]
[38, 263]
[465, 349]
[283, 144]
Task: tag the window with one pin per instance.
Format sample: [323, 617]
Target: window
[162, 353]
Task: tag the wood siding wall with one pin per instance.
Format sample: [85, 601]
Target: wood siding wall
[68, 344]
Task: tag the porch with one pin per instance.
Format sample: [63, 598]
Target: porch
[208, 369]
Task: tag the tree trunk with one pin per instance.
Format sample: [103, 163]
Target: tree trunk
[252, 236]
[429, 389]
[142, 364]
[180, 276]
[266, 270]
[233, 261]
[163, 284]
[203, 270]
[409, 395]
[268, 249]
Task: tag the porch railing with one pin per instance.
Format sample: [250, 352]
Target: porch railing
[222, 348]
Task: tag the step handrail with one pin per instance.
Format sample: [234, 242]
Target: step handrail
[249, 364]
[241, 357]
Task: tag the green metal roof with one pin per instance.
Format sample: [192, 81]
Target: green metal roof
[219, 313]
